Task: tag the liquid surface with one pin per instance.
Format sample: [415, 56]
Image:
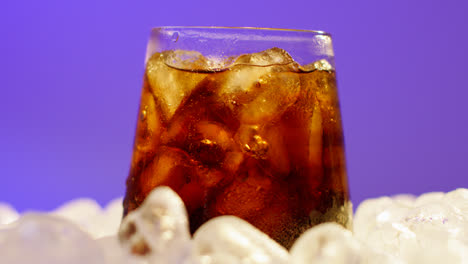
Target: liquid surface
[257, 136]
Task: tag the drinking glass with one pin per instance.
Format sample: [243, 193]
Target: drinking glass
[244, 122]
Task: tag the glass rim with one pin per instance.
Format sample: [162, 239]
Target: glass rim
[314, 32]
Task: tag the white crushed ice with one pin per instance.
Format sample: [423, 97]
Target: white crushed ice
[431, 228]
[88, 215]
[7, 214]
[230, 240]
[403, 229]
[158, 229]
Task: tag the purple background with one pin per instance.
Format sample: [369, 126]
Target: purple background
[71, 73]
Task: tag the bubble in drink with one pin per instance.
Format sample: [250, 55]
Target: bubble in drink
[259, 138]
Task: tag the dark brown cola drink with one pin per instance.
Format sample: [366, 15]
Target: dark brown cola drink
[259, 138]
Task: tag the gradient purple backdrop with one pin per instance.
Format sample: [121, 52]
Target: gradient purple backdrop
[71, 74]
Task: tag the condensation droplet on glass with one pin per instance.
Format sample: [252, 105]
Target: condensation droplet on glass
[175, 36]
[143, 114]
[233, 102]
[257, 147]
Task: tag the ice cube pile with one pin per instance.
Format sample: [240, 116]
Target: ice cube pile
[431, 228]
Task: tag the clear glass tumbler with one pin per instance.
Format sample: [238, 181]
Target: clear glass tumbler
[244, 122]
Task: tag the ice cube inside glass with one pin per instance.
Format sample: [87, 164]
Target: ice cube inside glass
[243, 122]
